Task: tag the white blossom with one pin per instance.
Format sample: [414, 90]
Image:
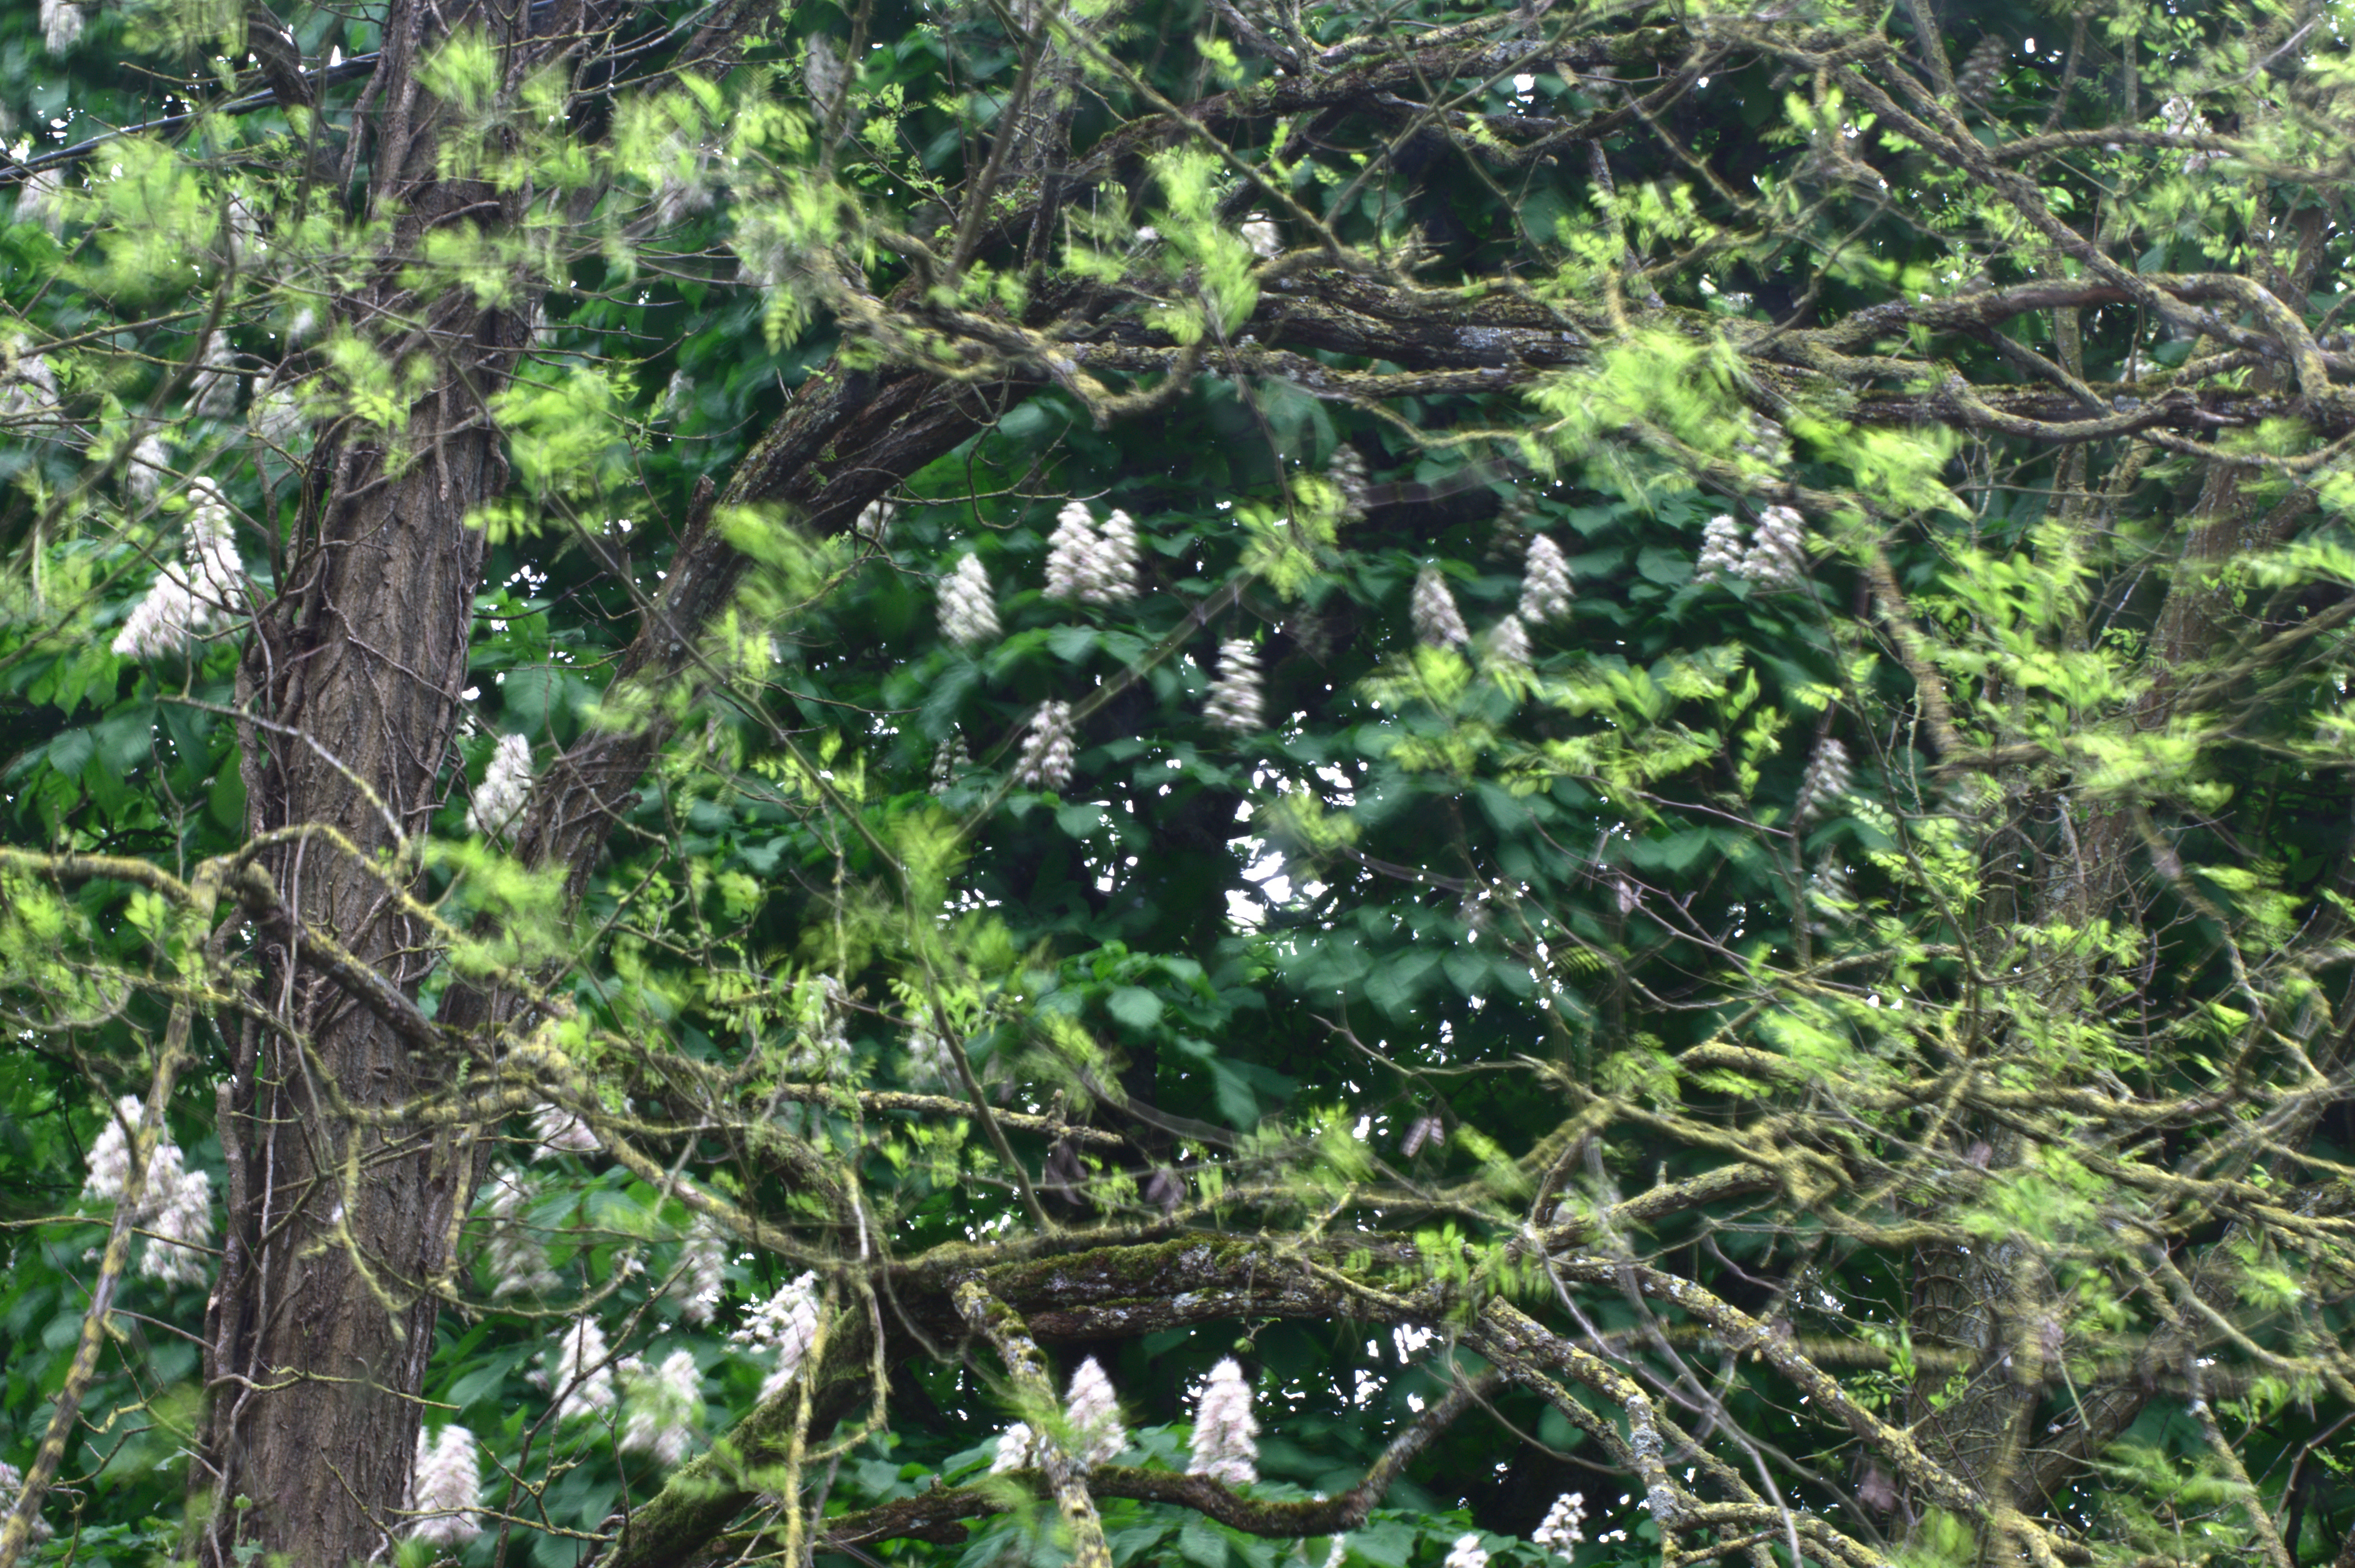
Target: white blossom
[38, 192]
[2182, 118]
[1226, 1438]
[1561, 1530]
[1235, 703]
[1095, 1415]
[1831, 901]
[276, 418]
[1828, 779]
[930, 1062]
[1509, 644]
[1070, 553]
[786, 1323]
[702, 1271]
[106, 1165]
[682, 190]
[29, 385]
[515, 1253]
[61, 25]
[447, 1488]
[504, 785]
[1778, 550]
[1467, 1552]
[821, 1041]
[1114, 579]
[968, 607]
[950, 761]
[11, 1487]
[1720, 551]
[1437, 622]
[558, 1131]
[1546, 590]
[874, 520]
[144, 471]
[1045, 762]
[1261, 234]
[1087, 565]
[1015, 1446]
[182, 1221]
[1340, 1552]
[192, 596]
[582, 1379]
[212, 390]
[1348, 472]
[175, 1205]
[661, 1407]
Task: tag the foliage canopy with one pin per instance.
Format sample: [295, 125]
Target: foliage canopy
[1508, 753]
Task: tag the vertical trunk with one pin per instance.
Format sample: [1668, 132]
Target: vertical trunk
[323, 1319]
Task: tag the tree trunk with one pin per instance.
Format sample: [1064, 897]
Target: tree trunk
[323, 1319]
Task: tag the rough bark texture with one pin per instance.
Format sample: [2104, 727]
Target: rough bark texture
[322, 1320]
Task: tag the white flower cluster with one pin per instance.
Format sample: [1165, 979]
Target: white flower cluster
[1348, 472]
[1017, 1448]
[787, 1323]
[1762, 439]
[187, 599]
[1778, 550]
[1437, 622]
[1561, 1528]
[1829, 779]
[1226, 1438]
[29, 387]
[37, 202]
[969, 608]
[144, 472]
[506, 785]
[1720, 551]
[1467, 1552]
[1976, 81]
[276, 418]
[445, 1490]
[683, 189]
[212, 390]
[1509, 644]
[702, 1276]
[821, 1039]
[175, 1206]
[661, 1406]
[11, 1487]
[1045, 762]
[1235, 703]
[559, 1131]
[930, 1064]
[61, 25]
[1776, 558]
[950, 758]
[874, 520]
[514, 1254]
[1090, 565]
[1095, 1415]
[582, 1378]
[1546, 590]
[1831, 901]
[2182, 118]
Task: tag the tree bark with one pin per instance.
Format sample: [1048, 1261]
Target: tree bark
[323, 1319]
